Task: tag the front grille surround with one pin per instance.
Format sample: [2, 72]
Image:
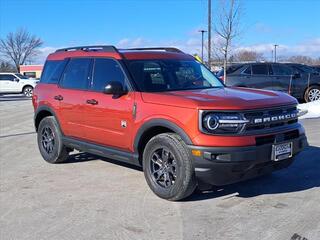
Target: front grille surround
[256, 128]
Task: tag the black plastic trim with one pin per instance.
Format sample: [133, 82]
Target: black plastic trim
[160, 123]
[104, 151]
[48, 109]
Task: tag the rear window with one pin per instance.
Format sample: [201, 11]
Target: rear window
[76, 75]
[52, 71]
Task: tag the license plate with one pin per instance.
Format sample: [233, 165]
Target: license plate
[281, 151]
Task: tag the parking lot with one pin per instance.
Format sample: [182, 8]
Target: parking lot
[93, 198]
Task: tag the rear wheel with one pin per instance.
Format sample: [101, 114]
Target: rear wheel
[28, 91]
[50, 141]
[168, 168]
[312, 94]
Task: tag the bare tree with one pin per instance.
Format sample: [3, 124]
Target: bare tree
[227, 28]
[6, 67]
[247, 56]
[20, 47]
[301, 59]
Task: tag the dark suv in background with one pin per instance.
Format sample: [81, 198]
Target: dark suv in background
[298, 80]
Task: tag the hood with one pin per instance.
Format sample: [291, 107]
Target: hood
[228, 98]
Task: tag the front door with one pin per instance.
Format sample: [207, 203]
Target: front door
[9, 83]
[108, 120]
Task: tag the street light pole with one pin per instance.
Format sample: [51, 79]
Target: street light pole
[202, 35]
[275, 52]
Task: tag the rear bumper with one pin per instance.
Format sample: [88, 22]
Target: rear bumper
[226, 165]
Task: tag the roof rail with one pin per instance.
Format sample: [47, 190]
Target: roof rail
[167, 49]
[105, 48]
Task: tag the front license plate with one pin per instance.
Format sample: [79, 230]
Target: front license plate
[281, 151]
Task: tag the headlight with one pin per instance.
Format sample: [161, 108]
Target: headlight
[221, 123]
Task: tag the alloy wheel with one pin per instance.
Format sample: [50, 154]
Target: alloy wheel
[163, 167]
[28, 92]
[314, 94]
[47, 139]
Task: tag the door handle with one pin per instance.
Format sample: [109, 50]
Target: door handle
[92, 101]
[58, 97]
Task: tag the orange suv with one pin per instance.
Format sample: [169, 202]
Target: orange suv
[160, 109]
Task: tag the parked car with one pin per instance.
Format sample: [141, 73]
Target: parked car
[17, 83]
[275, 76]
[161, 109]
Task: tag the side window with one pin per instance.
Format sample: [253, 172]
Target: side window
[7, 77]
[281, 70]
[260, 69]
[76, 75]
[52, 71]
[248, 70]
[105, 71]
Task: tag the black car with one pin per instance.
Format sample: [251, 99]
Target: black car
[300, 83]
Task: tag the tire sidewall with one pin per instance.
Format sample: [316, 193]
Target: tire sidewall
[52, 124]
[184, 167]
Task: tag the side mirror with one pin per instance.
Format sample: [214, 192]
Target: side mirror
[115, 88]
[16, 79]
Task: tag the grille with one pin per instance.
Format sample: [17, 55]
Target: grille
[270, 139]
[270, 118]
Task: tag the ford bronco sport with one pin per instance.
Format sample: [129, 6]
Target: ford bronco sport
[160, 109]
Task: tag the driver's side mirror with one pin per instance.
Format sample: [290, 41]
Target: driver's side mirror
[16, 79]
[116, 89]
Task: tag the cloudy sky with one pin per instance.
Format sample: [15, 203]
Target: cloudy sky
[292, 24]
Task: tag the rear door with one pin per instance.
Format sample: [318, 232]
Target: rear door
[74, 84]
[282, 78]
[260, 76]
[108, 120]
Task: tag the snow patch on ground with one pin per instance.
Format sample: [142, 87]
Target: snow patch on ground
[313, 109]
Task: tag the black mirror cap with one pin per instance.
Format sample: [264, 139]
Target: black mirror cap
[115, 88]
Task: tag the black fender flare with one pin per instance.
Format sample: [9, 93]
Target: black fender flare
[160, 123]
[48, 109]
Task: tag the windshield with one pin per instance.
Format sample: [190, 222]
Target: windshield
[171, 75]
[21, 76]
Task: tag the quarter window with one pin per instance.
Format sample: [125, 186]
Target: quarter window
[76, 75]
[260, 69]
[106, 71]
[52, 71]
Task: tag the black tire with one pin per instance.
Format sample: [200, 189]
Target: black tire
[312, 94]
[27, 91]
[50, 141]
[178, 179]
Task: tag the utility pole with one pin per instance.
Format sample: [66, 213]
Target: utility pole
[202, 34]
[275, 52]
[209, 34]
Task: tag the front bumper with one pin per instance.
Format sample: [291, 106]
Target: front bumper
[225, 165]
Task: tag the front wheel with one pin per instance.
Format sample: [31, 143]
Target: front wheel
[28, 91]
[312, 94]
[168, 168]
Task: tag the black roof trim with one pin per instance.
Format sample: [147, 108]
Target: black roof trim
[104, 48]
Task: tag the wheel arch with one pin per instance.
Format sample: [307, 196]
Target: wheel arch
[41, 113]
[153, 128]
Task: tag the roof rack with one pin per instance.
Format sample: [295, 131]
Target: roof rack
[105, 48]
[167, 49]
